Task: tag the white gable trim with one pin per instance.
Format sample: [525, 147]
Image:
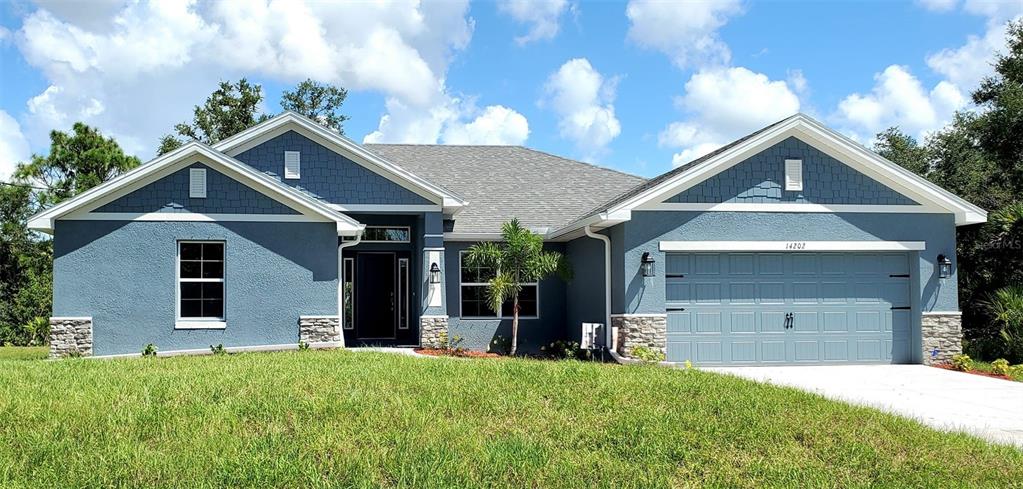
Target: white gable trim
[795, 208]
[176, 160]
[828, 142]
[188, 217]
[289, 121]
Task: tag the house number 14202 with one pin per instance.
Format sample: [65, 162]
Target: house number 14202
[796, 245]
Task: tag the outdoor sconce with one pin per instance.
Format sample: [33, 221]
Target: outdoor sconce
[646, 264]
[944, 267]
[434, 273]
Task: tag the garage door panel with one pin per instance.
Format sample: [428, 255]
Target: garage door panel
[742, 322]
[678, 322]
[708, 322]
[840, 306]
[805, 351]
[708, 292]
[805, 292]
[741, 264]
[835, 321]
[772, 322]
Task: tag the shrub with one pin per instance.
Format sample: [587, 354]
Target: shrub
[647, 355]
[560, 349]
[442, 340]
[963, 363]
[149, 350]
[500, 345]
[1000, 367]
[456, 344]
[303, 346]
[218, 350]
[1006, 305]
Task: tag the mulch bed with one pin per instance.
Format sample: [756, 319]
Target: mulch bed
[436, 352]
[948, 366]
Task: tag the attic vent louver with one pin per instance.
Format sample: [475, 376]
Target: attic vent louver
[292, 164]
[197, 183]
[794, 174]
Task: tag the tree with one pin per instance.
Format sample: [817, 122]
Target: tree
[231, 109]
[518, 259]
[76, 162]
[902, 149]
[1001, 98]
[25, 268]
[319, 102]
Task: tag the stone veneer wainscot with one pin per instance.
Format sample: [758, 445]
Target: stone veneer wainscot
[942, 335]
[70, 337]
[313, 330]
[432, 331]
[636, 330]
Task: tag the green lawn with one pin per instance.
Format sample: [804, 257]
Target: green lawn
[24, 352]
[340, 418]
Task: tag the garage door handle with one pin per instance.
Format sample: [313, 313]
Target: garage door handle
[901, 308]
[676, 309]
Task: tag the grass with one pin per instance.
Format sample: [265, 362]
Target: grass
[23, 352]
[1014, 374]
[341, 418]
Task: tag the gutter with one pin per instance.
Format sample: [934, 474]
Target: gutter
[341, 284]
[607, 292]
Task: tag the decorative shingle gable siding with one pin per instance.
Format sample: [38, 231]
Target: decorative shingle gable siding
[224, 195]
[327, 174]
[761, 179]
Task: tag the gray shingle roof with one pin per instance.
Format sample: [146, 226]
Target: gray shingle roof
[502, 182]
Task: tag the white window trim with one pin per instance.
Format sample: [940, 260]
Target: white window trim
[349, 325]
[477, 284]
[197, 323]
[408, 232]
[298, 169]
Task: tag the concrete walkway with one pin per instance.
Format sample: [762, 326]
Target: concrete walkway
[947, 400]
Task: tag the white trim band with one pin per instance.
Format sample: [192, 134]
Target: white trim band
[791, 246]
[639, 315]
[71, 318]
[200, 324]
[190, 216]
[795, 208]
[942, 313]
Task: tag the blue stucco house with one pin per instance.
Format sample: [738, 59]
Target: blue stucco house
[792, 245]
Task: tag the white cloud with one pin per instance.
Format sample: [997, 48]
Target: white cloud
[583, 100]
[685, 31]
[134, 71]
[996, 11]
[496, 125]
[13, 145]
[899, 99]
[543, 16]
[938, 5]
[968, 64]
[723, 105]
[446, 122]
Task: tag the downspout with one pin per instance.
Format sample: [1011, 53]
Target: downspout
[607, 291]
[341, 283]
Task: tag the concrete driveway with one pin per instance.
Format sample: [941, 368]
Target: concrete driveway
[989, 408]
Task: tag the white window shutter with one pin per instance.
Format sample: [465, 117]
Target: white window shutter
[197, 183]
[794, 174]
[292, 164]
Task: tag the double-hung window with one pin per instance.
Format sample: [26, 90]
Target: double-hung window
[201, 284]
[473, 282]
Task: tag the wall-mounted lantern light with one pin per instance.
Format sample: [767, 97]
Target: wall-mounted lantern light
[434, 273]
[944, 267]
[646, 264]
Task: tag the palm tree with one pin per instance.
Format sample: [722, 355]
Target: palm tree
[518, 259]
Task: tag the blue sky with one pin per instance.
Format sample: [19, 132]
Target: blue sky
[636, 86]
